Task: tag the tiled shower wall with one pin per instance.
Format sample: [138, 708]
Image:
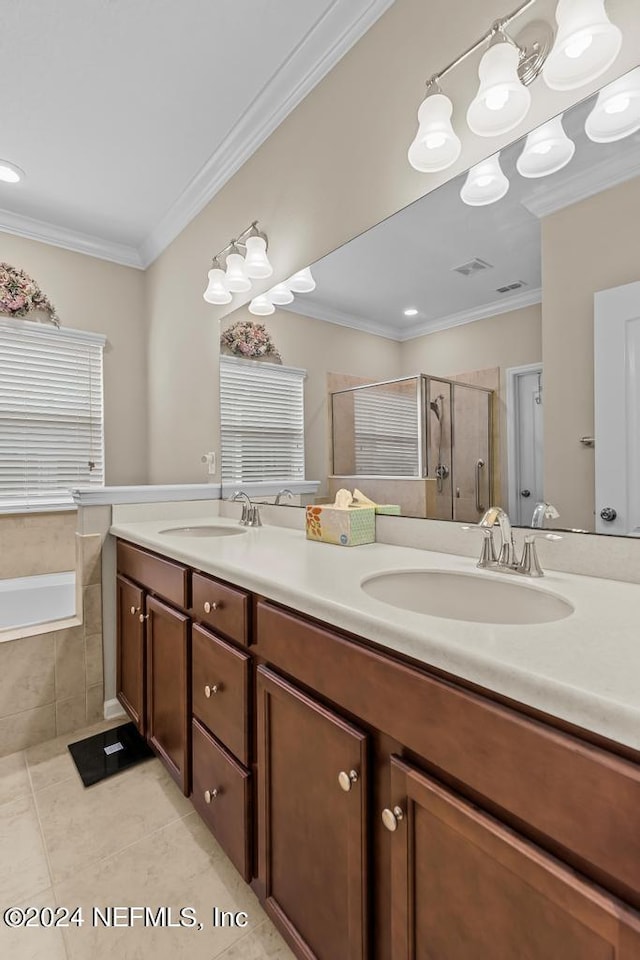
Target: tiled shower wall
[35, 543]
[52, 683]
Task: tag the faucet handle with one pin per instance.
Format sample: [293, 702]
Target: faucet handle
[529, 564]
[488, 556]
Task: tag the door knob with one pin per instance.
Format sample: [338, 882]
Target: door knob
[608, 514]
[210, 690]
[210, 795]
[347, 780]
[208, 607]
[525, 493]
[391, 818]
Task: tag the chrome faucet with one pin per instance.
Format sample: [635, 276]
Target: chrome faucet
[250, 512]
[507, 561]
[285, 492]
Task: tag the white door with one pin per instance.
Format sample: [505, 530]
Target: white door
[617, 409]
[526, 448]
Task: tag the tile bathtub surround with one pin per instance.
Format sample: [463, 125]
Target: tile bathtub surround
[36, 543]
[110, 845]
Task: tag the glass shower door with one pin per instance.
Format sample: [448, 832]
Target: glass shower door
[472, 469]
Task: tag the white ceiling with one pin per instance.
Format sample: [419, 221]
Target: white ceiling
[128, 115]
[409, 259]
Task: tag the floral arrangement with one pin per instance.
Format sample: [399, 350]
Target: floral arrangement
[250, 340]
[20, 295]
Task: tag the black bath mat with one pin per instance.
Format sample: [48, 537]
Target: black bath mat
[104, 754]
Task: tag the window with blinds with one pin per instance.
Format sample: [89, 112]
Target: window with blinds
[385, 433]
[51, 414]
[261, 421]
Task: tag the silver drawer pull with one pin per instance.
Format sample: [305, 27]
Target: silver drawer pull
[211, 690]
[143, 617]
[210, 795]
[347, 780]
[134, 610]
[208, 607]
[391, 818]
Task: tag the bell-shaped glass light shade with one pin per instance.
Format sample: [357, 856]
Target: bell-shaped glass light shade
[236, 276]
[302, 281]
[547, 150]
[616, 113]
[502, 101]
[217, 290]
[261, 306]
[485, 183]
[281, 294]
[256, 262]
[436, 145]
[586, 45]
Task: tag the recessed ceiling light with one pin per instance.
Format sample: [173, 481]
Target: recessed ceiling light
[410, 312]
[9, 173]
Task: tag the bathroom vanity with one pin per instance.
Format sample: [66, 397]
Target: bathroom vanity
[383, 802]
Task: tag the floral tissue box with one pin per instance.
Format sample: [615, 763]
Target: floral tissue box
[348, 527]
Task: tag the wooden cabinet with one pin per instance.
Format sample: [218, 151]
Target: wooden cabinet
[130, 666]
[514, 838]
[168, 720]
[312, 822]
[465, 887]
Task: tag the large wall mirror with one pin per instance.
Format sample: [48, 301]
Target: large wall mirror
[458, 355]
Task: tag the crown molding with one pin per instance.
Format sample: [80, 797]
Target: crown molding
[73, 240]
[587, 183]
[311, 60]
[308, 309]
[504, 305]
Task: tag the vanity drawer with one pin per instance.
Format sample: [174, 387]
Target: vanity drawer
[222, 796]
[160, 576]
[220, 688]
[220, 606]
[575, 799]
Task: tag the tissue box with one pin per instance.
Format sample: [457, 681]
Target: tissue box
[348, 527]
[388, 509]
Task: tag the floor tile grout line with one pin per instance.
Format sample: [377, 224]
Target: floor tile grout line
[40, 827]
[239, 941]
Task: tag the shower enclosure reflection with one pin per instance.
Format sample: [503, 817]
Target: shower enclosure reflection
[421, 442]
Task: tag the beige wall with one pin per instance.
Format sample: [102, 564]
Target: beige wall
[335, 167]
[92, 294]
[323, 348]
[590, 246]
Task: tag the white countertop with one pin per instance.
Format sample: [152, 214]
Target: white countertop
[584, 669]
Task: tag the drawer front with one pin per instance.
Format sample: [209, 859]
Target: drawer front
[222, 797]
[220, 687]
[576, 800]
[219, 606]
[163, 577]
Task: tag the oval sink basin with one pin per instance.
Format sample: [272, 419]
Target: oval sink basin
[203, 531]
[477, 598]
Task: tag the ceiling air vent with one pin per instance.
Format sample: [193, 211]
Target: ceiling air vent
[472, 267]
[510, 287]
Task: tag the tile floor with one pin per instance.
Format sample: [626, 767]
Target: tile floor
[132, 840]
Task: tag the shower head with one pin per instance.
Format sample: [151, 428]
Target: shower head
[435, 405]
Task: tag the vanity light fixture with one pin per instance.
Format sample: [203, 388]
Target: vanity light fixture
[261, 306]
[234, 267]
[502, 101]
[585, 47]
[217, 290]
[485, 183]
[547, 150]
[10, 173]
[280, 294]
[436, 145]
[616, 113]
[302, 281]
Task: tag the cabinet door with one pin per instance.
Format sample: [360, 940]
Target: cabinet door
[168, 704]
[466, 887]
[130, 667]
[312, 787]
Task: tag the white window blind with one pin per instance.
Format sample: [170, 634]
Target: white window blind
[261, 420]
[385, 433]
[51, 414]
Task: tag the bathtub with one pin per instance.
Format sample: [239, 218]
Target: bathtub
[26, 602]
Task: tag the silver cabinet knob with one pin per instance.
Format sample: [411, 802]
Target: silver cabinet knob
[210, 795]
[391, 818]
[211, 690]
[134, 610]
[347, 780]
[608, 514]
[143, 617]
[208, 607]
